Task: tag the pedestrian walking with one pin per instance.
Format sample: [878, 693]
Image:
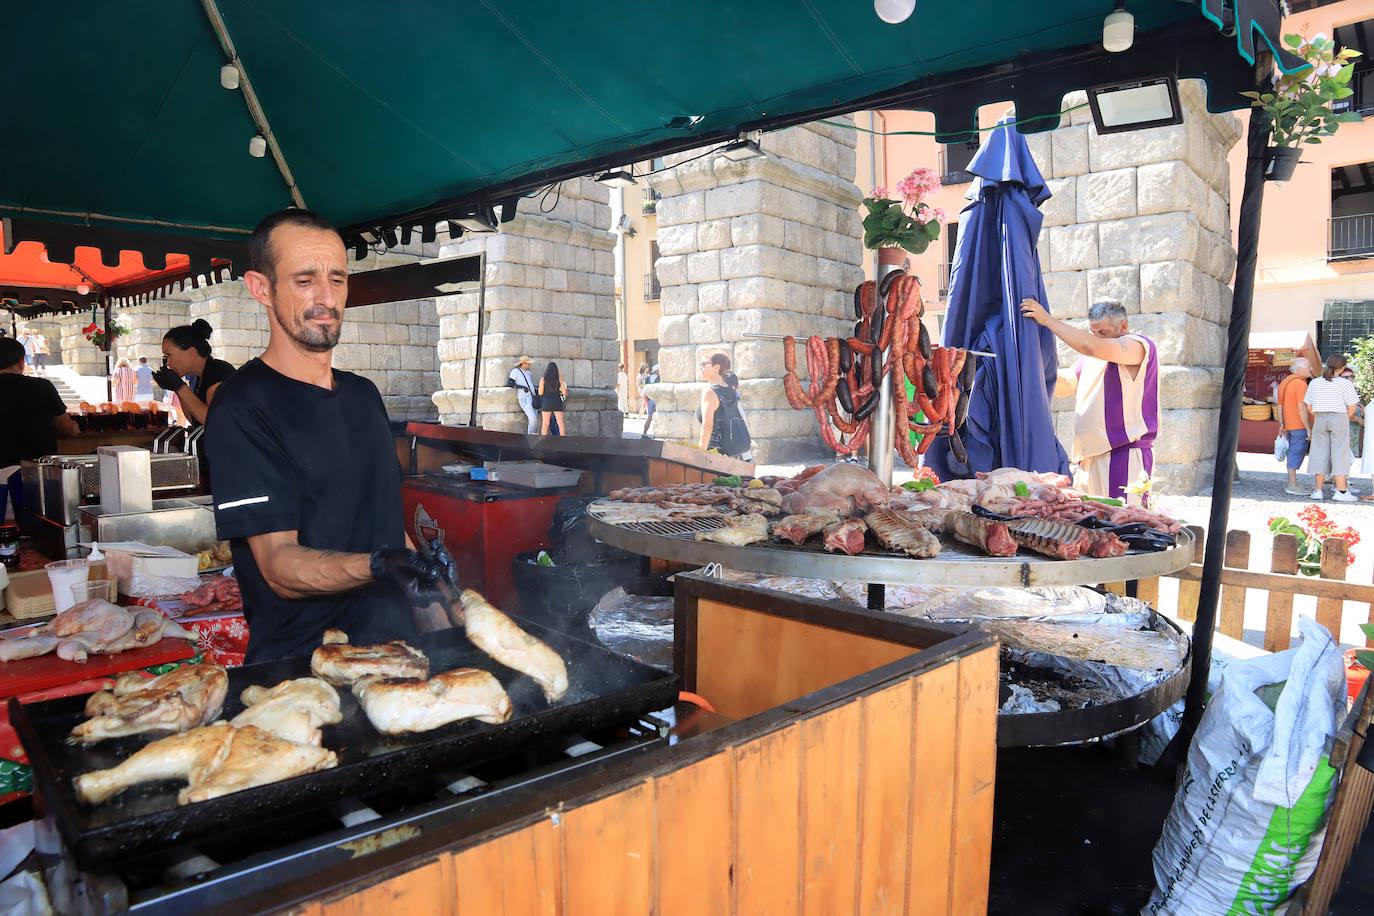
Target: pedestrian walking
[143, 380]
[522, 380]
[1295, 420]
[642, 381]
[722, 426]
[1332, 401]
[649, 406]
[552, 392]
[124, 382]
[622, 389]
[40, 353]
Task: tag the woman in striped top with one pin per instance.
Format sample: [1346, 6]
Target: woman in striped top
[1332, 401]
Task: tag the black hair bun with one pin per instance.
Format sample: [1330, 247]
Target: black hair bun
[202, 327]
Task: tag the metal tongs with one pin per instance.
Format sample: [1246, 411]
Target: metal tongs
[447, 585]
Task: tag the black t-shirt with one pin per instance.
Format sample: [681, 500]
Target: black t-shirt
[215, 372]
[27, 408]
[290, 456]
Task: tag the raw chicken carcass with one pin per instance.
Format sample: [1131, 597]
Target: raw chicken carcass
[846, 536]
[500, 637]
[149, 627]
[341, 664]
[32, 645]
[738, 531]
[840, 488]
[181, 699]
[801, 528]
[396, 706]
[215, 760]
[101, 619]
[293, 710]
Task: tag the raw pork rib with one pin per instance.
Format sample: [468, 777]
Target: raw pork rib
[846, 536]
[801, 528]
[898, 531]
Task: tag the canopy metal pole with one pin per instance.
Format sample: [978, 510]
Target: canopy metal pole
[880, 436]
[481, 322]
[1228, 435]
[109, 350]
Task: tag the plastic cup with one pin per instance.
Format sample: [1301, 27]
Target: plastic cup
[89, 590]
[62, 575]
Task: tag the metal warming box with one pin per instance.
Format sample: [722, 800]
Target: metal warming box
[57, 486]
[484, 523]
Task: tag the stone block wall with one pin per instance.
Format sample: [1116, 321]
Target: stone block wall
[1143, 217]
[77, 352]
[767, 246]
[550, 294]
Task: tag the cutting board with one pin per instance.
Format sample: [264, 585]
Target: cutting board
[29, 674]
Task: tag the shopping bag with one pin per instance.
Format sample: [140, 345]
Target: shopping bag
[1280, 447]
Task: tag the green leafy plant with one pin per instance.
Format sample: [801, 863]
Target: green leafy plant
[1366, 656]
[908, 223]
[1313, 527]
[1299, 105]
[1362, 361]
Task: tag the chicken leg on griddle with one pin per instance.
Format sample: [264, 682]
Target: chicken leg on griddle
[179, 700]
[294, 710]
[395, 706]
[341, 664]
[501, 638]
[214, 760]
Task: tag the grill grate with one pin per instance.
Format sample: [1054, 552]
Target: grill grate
[675, 528]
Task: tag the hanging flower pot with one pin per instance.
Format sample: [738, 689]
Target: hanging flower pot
[1280, 162]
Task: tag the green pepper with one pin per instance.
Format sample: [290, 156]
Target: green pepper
[1021, 489]
[919, 486]
[732, 481]
[543, 559]
[1104, 500]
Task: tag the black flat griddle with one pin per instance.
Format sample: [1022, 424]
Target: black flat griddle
[605, 689]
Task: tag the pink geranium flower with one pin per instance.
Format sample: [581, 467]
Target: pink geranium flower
[879, 193]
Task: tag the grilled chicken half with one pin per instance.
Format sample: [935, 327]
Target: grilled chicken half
[341, 664]
[396, 706]
[500, 637]
[179, 700]
[214, 760]
[295, 710]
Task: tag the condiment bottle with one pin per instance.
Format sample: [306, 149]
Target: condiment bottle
[9, 545]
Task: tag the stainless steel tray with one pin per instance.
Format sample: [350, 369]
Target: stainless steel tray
[957, 564]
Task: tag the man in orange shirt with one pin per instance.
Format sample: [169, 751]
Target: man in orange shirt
[1295, 420]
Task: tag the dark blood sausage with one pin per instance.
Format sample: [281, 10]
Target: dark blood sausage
[928, 381]
[858, 301]
[844, 397]
[867, 407]
[956, 448]
[961, 410]
[923, 342]
[966, 377]
[846, 356]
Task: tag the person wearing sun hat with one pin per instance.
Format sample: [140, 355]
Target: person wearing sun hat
[522, 381]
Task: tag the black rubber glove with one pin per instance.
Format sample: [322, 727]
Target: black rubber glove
[168, 380]
[415, 573]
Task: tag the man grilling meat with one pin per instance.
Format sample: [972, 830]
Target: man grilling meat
[307, 484]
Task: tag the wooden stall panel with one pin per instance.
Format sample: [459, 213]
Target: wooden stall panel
[768, 828]
[1329, 609]
[427, 889]
[608, 855]
[694, 838]
[933, 799]
[514, 875]
[1231, 620]
[885, 800]
[831, 768]
[1278, 618]
[748, 661]
[975, 776]
[664, 473]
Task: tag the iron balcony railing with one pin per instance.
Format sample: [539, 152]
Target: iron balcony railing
[954, 169]
[1350, 237]
[649, 202]
[652, 288]
[943, 280]
[1362, 102]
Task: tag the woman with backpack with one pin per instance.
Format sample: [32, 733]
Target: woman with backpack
[722, 425]
[552, 394]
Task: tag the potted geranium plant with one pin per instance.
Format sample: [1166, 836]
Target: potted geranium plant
[1299, 105]
[909, 223]
[96, 334]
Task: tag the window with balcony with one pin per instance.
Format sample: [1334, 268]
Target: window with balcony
[1360, 37]
[652, 290]
[1351, 234]
[954, 161]
[649, 203]
[949, 238]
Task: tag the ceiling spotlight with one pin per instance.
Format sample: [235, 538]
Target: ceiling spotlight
[229, 76]
[741, 149]
[1118, 29]
[617, 179]
[484, 220]
[257, 147]
[83, 289]
[894, 12]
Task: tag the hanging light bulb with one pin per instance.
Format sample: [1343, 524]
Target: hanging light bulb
[894, 11]
[257, 147]
[229, 76]
[1118, 29]
[83, 288]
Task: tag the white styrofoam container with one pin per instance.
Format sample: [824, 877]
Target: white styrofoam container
[131, 561]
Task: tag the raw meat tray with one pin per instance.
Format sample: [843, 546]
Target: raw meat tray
[605, 689]
[957, 565]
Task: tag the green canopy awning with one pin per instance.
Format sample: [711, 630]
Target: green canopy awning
[398, 114]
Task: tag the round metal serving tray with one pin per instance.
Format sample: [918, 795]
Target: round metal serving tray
[957, 564]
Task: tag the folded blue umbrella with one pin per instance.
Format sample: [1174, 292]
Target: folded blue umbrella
[996, 265]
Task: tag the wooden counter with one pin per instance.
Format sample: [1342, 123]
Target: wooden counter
[87, 443]
[872, 795]
[612, 463]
